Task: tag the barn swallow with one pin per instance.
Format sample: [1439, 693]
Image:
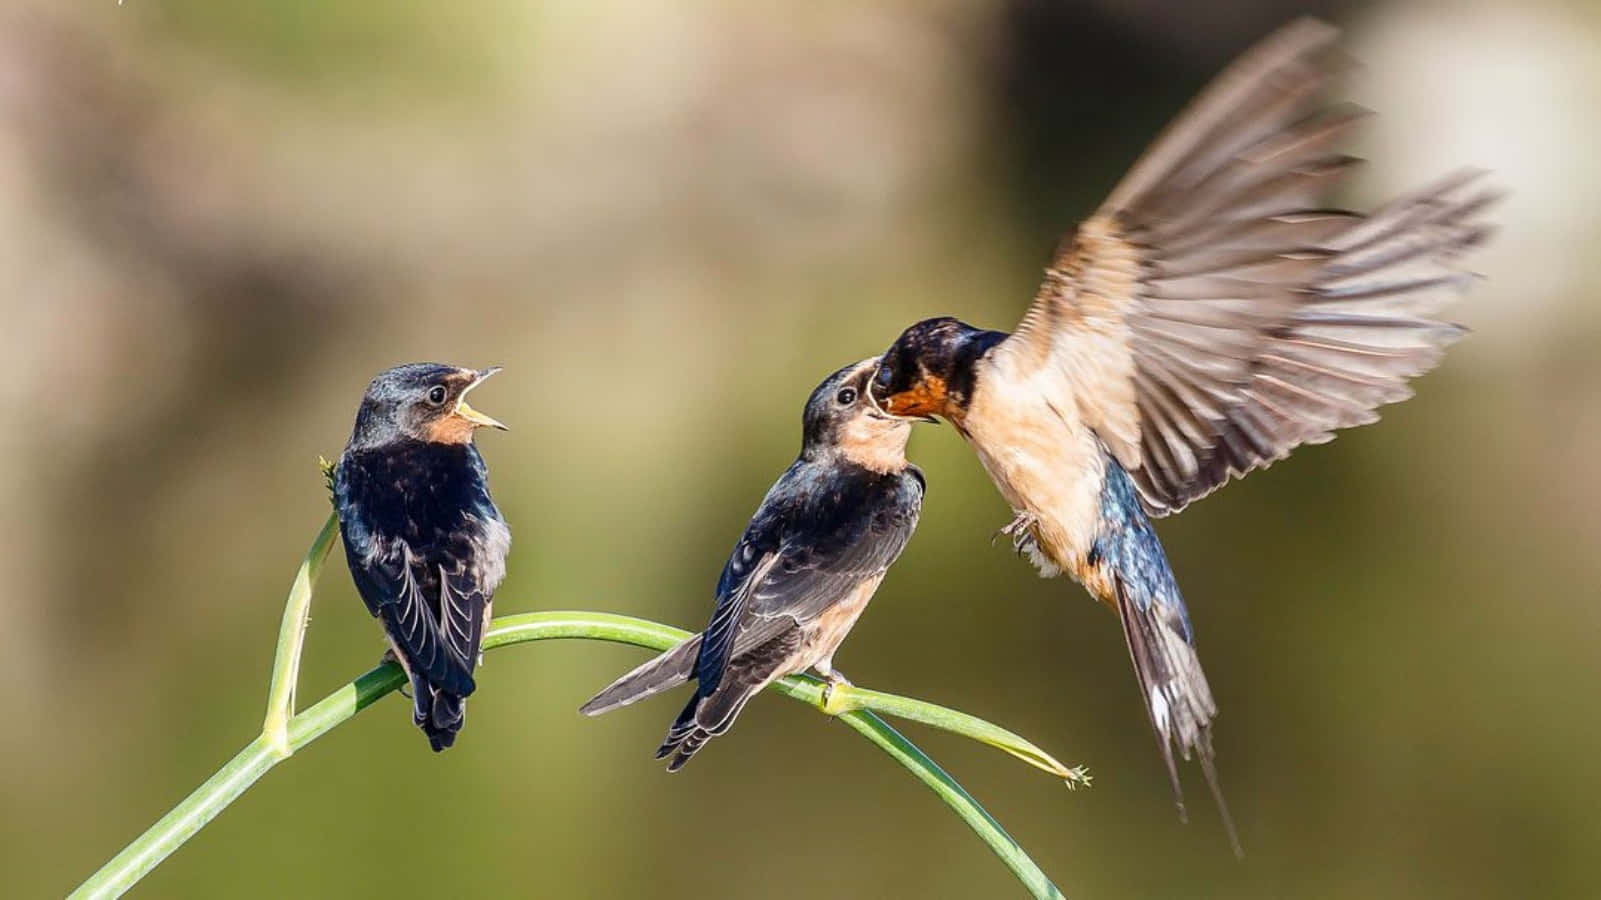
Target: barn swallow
[1210, 317]
[805, 568]
[425, 544]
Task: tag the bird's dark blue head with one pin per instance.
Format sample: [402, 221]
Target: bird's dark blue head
[424, 402]
[930, 369]
[840, 420]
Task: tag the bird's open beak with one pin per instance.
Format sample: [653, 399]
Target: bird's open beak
[917, 404]
[912, 405]
[465, 411]
[898, 407]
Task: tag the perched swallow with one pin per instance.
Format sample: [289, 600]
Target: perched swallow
[802, 573]
[1206, 320]
[425, 543]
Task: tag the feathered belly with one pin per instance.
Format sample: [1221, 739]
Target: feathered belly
[828, 631]
[1050, 470]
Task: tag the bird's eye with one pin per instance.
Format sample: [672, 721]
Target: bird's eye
[436, 394]
[846, 396]
[883, 377]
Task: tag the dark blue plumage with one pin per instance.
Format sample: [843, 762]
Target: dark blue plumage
[820, 522]
[1127, 557]
[1127, 568]
[424, 542]
[804, 569]
[1128, 545]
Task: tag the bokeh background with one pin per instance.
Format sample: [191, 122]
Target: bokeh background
[669, 221]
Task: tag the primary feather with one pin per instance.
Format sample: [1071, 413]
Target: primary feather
[1227, 315]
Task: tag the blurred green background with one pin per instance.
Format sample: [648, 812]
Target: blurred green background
[669, 221]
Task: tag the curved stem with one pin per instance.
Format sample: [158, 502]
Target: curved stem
[292, 640]
[180, 823]
[845, 698]
[958, 799]
[177, 826]
[850, 697]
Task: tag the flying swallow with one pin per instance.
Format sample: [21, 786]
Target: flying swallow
[805, 568]
[425, 544]
[1210, 317]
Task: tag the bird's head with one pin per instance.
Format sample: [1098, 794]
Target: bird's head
[928, 371]
[424, 402]
[841, 419]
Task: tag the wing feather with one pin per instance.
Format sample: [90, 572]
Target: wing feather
[394, 587]
[780, 575]
[1223, 315]
[463, 599]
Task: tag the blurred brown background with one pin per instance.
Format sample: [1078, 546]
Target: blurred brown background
[668, 221]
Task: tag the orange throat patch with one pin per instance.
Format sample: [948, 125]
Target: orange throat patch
[451, 429]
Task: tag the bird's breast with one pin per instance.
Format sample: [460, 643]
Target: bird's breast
[829, 629]
[1043, 458]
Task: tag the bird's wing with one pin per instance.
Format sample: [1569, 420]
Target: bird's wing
[745, 570]
[463, 597]
[432, 620]
[1211, 317]
[765, 592]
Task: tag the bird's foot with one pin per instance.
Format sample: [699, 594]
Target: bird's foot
[390, 657]
[831, 680]
[1019, 531]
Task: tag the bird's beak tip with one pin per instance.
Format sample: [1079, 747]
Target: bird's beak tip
[479, 419]
[465, 410]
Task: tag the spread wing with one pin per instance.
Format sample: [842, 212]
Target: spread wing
[1211, 316]
[790, 568]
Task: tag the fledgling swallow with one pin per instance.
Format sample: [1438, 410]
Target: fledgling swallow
[425, 544]
[805, 568]
[1206, 320]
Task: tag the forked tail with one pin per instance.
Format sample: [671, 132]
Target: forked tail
[1160, 640]
[439, 713]
[711, 713]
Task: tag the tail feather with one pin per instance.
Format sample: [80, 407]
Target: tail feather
[709, 715]
[1132, 574]
[439, 713]
[680, 729]
[1177, 696]
[670, 669]
[702, 719]
[1209, 769]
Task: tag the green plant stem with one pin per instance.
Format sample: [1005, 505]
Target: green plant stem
[849, 697]
[200, 807]
[903, 751]
[859, 706]
[292, 640]
[181, 823]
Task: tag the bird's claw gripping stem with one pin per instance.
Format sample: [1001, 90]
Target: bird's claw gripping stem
[836, 702]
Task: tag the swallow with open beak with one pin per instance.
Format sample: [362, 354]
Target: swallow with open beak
[424, 541]
[1210, 317]
[805, 568]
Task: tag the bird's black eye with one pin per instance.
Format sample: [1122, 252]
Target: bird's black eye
[846, 396]
[436, 394]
